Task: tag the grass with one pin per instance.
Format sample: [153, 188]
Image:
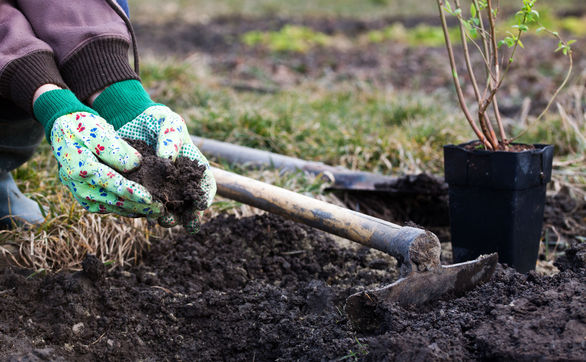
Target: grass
[293, 38]
[290, 38]
[361, 351]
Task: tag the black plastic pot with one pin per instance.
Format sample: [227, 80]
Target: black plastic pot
[496, 202]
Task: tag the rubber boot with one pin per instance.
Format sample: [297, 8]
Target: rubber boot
[15, 208]
[19, 137]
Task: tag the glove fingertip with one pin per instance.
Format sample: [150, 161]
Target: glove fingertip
[167, 153]
[194, 226]
[167, 220]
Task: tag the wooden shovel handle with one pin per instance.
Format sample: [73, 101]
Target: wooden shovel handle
[416, 249]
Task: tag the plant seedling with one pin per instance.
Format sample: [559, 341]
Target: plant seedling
[479, 30]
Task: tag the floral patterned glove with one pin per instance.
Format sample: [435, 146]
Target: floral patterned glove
[128, 107]
[84, 145]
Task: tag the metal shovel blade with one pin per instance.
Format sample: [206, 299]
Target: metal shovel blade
[418, 288]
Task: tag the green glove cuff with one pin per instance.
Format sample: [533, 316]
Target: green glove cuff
[54, 104]
[122, 102]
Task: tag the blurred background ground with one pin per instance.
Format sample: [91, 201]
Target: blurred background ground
[361, 84]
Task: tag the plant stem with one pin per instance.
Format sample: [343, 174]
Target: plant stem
[557, 91]
[497, 113]
[455, 78]
[486, 53]
[467, 56]
[499, 121]
[494, 48]
[500, 80]
[484, 120]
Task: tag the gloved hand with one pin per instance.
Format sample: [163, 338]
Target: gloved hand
[80, 139]
[127, 106]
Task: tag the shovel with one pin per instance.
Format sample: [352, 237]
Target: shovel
[339, 178]
[417, 251]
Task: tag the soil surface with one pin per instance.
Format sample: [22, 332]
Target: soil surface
[175, 184]
[263, 288]
[513, 147]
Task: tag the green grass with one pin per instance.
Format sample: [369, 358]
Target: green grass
[358, 127]
[290, 38]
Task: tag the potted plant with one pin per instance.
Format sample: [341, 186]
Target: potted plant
[496, 187]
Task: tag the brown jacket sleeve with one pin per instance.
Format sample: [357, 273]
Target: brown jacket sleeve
[89, 38]
[80, 44]
[26, 62]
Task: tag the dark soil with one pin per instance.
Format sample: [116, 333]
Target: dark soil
[262, 288]
[175, 184]
[512, 147]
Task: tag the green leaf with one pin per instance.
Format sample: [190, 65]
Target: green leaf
[535, 14]
[570, 42]
[541, 28]
[448, 7]
[472, 10]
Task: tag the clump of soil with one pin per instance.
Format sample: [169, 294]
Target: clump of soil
[175, 184]
[263, 288]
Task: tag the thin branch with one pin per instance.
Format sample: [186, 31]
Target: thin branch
[485, 44]
[494, 53]
[492, 39]
[459, 92]
[557, 91]
[467, 56]
[484, 59]
[510, 61]
[489, 76]
[499, 121]
[483, 118]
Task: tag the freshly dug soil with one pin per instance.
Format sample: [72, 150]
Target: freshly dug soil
[175, 184]
[263, 288]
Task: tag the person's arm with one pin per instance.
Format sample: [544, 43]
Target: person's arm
[26, 62]
[89, 38]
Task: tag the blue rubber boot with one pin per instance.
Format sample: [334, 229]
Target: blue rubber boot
[20, 135]
[15, 208]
